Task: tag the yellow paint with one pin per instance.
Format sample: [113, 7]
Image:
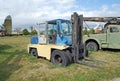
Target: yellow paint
[45, 50]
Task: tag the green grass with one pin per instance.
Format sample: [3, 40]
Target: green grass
[17, 65]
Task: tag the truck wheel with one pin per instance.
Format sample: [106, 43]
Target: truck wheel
[59, 58]
[92, 46]
[33, 52]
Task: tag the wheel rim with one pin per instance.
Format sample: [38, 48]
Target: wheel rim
[33, 52]
[58, 60]
[91, 47]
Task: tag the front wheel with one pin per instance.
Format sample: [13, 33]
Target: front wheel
[92, 46]
[33, 52]
[59, 58]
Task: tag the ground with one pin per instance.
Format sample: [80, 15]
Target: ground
[116, 79]
[17, 65]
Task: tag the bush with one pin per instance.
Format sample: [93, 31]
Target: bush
[25, 32]
[34, 32]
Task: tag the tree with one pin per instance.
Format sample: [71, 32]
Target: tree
[25, 32]
[33, 32]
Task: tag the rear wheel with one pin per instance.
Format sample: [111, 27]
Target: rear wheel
[59, 58]
[33, 52]
[69, 55]
[92, 46]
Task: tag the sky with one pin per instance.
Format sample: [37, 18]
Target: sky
[26, 13]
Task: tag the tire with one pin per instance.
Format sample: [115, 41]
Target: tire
[69, 55]
[92, 46]
[59, 58]
[33, 52]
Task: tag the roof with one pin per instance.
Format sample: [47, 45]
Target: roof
[57, 20]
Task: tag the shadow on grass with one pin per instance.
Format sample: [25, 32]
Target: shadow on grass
[4, 47]
[10, 64]
[111, 50]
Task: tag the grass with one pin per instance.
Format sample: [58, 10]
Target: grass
[17, 65]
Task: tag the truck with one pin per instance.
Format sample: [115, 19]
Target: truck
[108, 38]
[60, 41]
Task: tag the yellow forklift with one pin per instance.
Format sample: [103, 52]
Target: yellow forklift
[60, 41]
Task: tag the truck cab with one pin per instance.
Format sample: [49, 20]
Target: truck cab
[108, 38]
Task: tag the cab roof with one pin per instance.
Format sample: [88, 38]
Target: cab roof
[58, 20]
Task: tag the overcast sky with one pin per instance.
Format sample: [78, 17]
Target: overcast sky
[26, 13]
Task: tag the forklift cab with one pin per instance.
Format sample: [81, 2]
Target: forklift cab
[58, 31]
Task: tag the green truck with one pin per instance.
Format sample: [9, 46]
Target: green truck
[108, 38]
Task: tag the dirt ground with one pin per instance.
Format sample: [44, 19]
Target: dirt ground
[116, 79]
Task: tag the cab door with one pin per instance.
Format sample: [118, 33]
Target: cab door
[113, 37]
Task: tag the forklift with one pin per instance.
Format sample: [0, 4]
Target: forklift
[60, 41]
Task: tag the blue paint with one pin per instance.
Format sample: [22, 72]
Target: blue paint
[34, 40]
[64, 40]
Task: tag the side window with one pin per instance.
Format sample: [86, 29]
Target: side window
[41, 29]
[114, 29]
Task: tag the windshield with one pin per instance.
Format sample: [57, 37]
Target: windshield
[66, 28]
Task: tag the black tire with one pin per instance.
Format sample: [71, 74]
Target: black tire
[59, 58]
[69, 55]
[33, 52]
[92, 46]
